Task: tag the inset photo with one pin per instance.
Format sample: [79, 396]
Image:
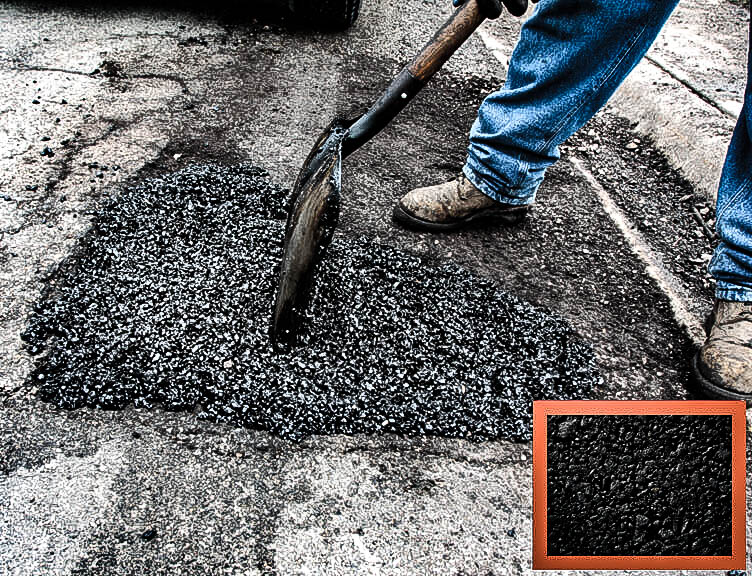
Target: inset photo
[622, 485]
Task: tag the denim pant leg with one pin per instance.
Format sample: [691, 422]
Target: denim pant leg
[571, 57]
[731, 265]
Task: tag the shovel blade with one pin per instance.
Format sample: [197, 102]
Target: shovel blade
[310, 225]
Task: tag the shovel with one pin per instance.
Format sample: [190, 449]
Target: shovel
[315, 201]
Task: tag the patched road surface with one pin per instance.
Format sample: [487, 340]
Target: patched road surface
[93, 100]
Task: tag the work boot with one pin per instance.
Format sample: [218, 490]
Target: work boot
[723, 365]
[452, 205]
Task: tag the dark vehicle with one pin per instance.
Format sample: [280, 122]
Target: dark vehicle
[332, 14]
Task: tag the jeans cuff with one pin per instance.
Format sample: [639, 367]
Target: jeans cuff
[733, 292]
[521, 196]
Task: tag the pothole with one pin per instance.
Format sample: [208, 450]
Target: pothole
[167, 302]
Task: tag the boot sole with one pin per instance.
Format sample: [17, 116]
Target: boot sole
[714, 390]
[505, 218]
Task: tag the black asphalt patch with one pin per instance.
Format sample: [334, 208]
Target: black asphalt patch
[639, 485]
[167, 301]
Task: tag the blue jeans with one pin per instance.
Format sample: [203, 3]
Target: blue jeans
[571, 57]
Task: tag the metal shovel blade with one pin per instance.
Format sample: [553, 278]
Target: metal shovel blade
[315, 208]
[310, 225]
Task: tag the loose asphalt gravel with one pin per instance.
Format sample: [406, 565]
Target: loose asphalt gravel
[639, 485]
[167, 302]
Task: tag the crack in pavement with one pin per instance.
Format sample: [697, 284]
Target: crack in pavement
[689, 85]
[14, 155]
[95, 75]
[26, 68]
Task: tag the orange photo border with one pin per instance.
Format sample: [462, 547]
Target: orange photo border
[736, 409]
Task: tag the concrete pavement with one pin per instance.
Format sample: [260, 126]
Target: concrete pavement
[688, 91]
[140, 90]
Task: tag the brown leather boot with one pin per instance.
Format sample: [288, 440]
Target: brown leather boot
[452, 205]
[723, 366]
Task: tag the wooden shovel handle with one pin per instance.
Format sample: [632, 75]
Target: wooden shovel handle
[414, 76]
[448, 39]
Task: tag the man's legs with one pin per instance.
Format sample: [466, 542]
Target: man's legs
[571, 57]
[732, 263]
[724, 364]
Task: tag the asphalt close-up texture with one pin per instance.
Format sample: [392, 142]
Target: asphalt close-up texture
[639, 485]
[146, 427]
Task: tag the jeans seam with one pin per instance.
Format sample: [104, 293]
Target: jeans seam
[742, 187]
[728, 293]
[735, 289]
[609, 74]
[474, 177]
[522, 169]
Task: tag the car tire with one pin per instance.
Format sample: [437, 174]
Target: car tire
[326, 14]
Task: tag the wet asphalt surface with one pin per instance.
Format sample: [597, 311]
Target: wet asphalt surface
[178, 88]
[639, 485]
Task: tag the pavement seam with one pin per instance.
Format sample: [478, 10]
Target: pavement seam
[494, 46]
[689, 85]
[671, 287]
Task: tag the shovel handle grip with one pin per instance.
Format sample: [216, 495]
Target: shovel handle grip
[414, 76]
